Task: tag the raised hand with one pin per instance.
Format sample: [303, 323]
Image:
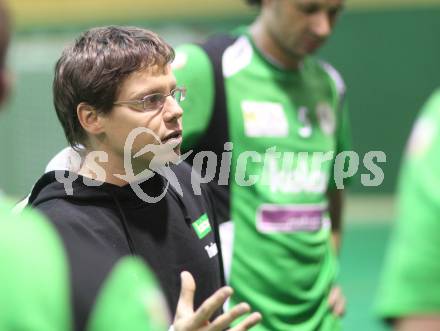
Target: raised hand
[187, 319]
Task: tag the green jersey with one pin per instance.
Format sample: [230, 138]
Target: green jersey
[410, 283]
[285, 126]
[35, 283]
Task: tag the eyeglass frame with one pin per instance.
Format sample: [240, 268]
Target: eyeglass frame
[140, 102]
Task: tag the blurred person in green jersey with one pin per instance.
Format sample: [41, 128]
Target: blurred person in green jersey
[259, 111]
[409, 293]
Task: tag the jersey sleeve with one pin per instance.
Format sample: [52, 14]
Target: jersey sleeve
[193, 70]
[344, 132]
[343, 129]
[130, 299]
[410, 281]
[343, 143]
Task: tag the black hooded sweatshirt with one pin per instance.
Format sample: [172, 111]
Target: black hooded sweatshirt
[113, 219]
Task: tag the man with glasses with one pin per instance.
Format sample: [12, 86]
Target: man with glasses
[116, 96]
[38, 284]
[267, 109]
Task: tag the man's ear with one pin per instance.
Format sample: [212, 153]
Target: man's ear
[89, 119]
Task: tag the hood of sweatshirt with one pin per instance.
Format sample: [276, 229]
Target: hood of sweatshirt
[61, 184]
[82, 191]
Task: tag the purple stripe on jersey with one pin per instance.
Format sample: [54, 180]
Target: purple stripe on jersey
[273, 218]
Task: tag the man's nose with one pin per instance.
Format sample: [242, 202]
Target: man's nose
[172, 110]
[321, 25]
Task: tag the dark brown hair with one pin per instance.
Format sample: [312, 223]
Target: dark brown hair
[94, 67]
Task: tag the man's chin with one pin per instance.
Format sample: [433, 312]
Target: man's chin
[177, 150]
[165, 159]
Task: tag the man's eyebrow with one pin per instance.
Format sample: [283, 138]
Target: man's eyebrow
[338, 7]
[307, 3]
[303, 3]
[153, 90]
[141, 94]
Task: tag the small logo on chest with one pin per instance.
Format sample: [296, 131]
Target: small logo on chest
[202, 226]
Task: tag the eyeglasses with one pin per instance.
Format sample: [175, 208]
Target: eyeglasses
[154, 101]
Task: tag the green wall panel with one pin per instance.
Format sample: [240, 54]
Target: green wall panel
[391, 63]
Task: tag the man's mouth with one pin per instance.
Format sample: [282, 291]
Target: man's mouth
[175, 136]
[313, 44]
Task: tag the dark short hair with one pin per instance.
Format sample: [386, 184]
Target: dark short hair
[94, 67]
[254, 2]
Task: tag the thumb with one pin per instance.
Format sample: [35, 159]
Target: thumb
[185, 305]
[334, 295]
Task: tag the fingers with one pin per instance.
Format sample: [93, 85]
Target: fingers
[339, 308]
[250, 321]
[185, 305]
[333, 297]
[337, 301]
[224, 320]
[210, 305]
